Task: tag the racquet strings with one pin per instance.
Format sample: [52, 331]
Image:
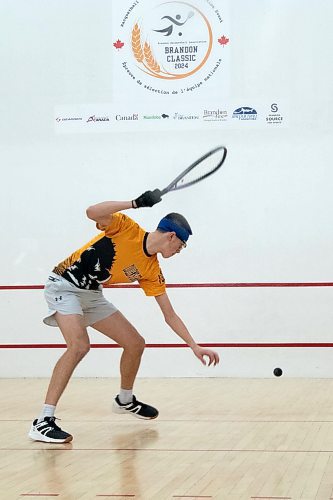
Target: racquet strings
[201, 169]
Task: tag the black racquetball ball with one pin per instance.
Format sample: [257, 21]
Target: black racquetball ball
[277, 372]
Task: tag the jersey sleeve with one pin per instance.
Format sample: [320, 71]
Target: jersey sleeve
[153, 287]
[119, 222]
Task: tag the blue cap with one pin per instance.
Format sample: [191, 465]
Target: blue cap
[170, 225]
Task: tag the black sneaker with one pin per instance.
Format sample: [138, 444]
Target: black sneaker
[135, 408]
[48, 431]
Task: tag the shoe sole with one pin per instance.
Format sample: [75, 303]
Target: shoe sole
[37, 436]
[121, 411]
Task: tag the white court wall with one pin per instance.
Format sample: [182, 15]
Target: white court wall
[265, 218]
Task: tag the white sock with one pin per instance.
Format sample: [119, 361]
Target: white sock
[125, 396]
[47, 411]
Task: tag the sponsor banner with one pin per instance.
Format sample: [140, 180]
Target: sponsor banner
[170, 71]
[160, 116]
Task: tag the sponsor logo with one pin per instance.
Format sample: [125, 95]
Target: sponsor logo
[95, 118]
[274, 117]
[163, 116]
[132, 117]
[245, 113]
[181, 116]
[69, 119]
[215, 115]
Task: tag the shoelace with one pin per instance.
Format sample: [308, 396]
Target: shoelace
[54, 425]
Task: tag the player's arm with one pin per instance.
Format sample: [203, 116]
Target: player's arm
[102, 212]
[177, 325]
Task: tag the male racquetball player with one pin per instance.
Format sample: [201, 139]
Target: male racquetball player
[122, 252]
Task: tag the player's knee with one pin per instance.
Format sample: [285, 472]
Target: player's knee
[138, 344]
[80, 350]
[84, 349]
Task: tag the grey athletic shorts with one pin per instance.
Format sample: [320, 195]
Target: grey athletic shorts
[65, 298]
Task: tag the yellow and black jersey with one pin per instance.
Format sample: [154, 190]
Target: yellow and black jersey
[116, 255]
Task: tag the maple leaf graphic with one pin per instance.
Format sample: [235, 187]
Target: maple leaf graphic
[118, 44]
[223, 40]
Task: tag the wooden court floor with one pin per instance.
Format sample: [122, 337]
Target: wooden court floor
[229, 439]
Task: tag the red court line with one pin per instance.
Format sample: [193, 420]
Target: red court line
[188, 420]
[168, 450]
[233, 345]
[192, 285]
[39, 495]
[271, 498]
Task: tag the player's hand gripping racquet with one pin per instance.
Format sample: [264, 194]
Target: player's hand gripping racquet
[199, 170]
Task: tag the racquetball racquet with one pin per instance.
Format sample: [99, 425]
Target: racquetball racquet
[199, 170]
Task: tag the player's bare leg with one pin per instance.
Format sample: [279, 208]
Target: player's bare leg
[119, 329]
[77, 340]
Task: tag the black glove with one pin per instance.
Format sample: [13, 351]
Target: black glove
[148, 199]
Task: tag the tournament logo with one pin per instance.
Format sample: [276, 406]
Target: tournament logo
[163, 43]
[160, 42]
[245, 113]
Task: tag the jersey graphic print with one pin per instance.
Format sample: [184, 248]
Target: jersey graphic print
[132, 273]
[92, 268]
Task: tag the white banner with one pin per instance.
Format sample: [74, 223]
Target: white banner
[170, 71]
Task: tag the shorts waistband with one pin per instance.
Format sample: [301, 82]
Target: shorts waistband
[56, 276]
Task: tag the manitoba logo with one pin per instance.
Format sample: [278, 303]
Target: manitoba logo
[172, 41]
[156, 117]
